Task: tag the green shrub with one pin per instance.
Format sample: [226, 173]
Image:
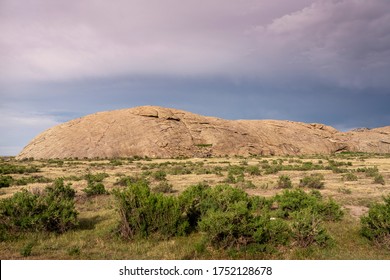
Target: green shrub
[5, 181]
[369, 171]
[271, 231]
[328, 210]
[236, 169]
[350, 177]
[144, 213]
[27, 249]
[376, 224]
[6, 168]
[230, 218]
[191, 201]
[230, 179]
[116, 162]
[378, 179]
[293, 201]
[221, 197]
[284, 182]
[32, 179]
[253, 170]
[94, 188]
[159, 175]
[163, 187]
[307, 229]
[228, 227]
[237, 226]
[98, 177]
[51, 210]
[128, 180]
[314, 181]
[246, 184]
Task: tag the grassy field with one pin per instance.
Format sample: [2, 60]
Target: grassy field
[355, 181]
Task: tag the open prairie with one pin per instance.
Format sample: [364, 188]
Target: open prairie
[355, 181]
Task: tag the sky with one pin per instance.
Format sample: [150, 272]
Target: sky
[323, 61]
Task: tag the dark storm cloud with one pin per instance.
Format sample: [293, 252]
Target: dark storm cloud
[324, 61]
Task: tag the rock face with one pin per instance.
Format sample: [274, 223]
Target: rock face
[161, 132]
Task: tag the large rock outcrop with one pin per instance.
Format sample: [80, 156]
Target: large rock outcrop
[161, 132]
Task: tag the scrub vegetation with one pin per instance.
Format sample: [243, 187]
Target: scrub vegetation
[306, 207]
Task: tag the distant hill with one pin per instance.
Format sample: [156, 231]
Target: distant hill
[161, 132]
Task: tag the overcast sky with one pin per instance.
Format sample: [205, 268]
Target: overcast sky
[325, 61]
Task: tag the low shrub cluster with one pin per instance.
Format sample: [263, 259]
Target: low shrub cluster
[350, 177]
[163, 187]
[32, 179]
[144, 213]
[374, 173]
[6, 168]
[127, 180]
[314, 181]
[376, 224]
[290, 202]
[98, 177]
[95, 185]
[284, 182]
[5, 181]
[159, 175]
[50, 210]
[94, 188]
[228, 216]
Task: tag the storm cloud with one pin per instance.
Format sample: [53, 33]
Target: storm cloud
[322, 61]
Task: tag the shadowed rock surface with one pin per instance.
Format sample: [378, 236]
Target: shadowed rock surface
[161, 132]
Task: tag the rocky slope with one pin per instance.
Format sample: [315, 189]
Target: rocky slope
[161, 132]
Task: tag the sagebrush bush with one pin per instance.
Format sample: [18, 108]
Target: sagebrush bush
[32, 179]
[98, 177]
[6, 168]
[5, 181]
[376, 224]
[378, 179]
[128, 180]
[160, 175]
[307, 229]
[230, 220]
[94, 188]
[228, 216]
[314, 181]
[163, 187]
[51, 210]
[369, 171]
[284, 182]
[293, 201]
[246, 184]
[253, 170]
[229, 227]
[144, 213]
[350, 177]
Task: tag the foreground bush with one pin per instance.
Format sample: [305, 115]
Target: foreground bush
[227, 215]
[51, 210]
[144, 213]
[290, 202]
[376, 224]
[307, 229]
